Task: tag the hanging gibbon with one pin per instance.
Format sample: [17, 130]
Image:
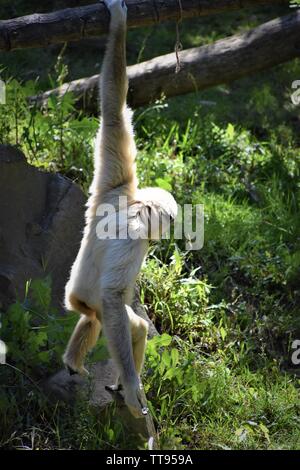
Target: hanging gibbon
[101, 283]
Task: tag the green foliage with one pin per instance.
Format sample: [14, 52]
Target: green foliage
[226, 313]
[177, 303]
[200, 402]
[36, 335]
[234, 305]
[56, 138]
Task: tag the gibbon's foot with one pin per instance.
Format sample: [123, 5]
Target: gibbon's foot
[134, 402]
[114, 387]
[111, 4]
[74, 370]
[139, 410]
[137, 413]
[71, 371]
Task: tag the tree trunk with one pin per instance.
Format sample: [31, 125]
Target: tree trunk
[226, 60]
[40, 30]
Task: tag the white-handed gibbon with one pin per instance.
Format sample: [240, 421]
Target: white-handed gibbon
[103, 275]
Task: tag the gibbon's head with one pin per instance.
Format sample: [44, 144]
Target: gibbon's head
[154, 211]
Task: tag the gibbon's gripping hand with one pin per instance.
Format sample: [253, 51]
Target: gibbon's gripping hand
[116, 4]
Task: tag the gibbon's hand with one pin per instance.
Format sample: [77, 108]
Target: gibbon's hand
[116, 3]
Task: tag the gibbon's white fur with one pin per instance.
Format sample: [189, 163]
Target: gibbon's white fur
[103, 275]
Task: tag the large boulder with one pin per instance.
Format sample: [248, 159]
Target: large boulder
[41, 220]
[62, 386]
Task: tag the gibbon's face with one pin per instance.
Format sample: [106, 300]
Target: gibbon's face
[157, 212]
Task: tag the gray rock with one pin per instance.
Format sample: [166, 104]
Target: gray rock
[41, 219]
[64, 387]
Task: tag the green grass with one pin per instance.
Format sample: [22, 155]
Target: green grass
[220, 376]
[230, 310]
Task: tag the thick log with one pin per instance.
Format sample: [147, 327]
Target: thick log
[270, 44]
[40, 30]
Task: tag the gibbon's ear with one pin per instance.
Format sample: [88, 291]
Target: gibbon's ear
[152, 214]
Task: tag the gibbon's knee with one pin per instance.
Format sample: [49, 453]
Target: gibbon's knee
[73, 303]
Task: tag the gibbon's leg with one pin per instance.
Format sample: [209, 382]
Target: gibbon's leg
[117, 331]
[83, 339]
[139, 331]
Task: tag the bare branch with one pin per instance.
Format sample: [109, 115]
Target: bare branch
[270, 44]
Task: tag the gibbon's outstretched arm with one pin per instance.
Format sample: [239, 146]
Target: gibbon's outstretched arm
[115, 141]
[103, 275]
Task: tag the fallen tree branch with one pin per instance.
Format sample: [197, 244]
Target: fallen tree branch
[40, 30]
[270, 44]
